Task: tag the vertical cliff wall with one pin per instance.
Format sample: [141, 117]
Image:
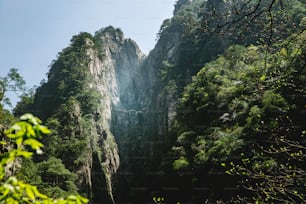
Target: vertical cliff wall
[140, 122]
[116, 77]
[104, 91]
[112, 107]
[94, 80]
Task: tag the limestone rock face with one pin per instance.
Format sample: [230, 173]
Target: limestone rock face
[125, 130]
[91, 87]
[114, 77]
[140, 120]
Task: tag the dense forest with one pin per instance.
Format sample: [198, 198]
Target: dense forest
[214, 114]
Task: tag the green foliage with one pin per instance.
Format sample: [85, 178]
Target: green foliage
[205, 29]
[25, 104]
[14, 82]
[274, 102]
[28, 173]
[165, 71]
[89, 100]
[274, 171]
[57, 180]
[62, 101]
[22, 134]
[68, 78]
[180, 163]
[186, 138]
[242, 19]
[244, 111]
[226, 143]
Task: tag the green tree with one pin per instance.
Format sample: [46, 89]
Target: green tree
[245, 112]
[274, 171]
[57, 180]
[24, 135]
[14, 82]
[25, 105]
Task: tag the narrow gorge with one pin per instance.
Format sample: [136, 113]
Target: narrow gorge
[177, 124]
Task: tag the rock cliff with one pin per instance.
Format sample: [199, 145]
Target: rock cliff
[93, 83]
[103, 90]
[116, 78]
[112, 108]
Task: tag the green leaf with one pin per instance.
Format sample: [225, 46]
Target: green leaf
[30, 192]
[30, 118]
[262, 78]
[19, 141]
[33, 143]
[44, 129]
[284, 52]
[2, 143]
[30, 131]
[180, 163]
[38, 194]
[24, 154]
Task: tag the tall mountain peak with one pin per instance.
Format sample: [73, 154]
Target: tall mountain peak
[111, 33]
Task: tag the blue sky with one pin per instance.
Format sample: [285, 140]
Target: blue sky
[32, 32]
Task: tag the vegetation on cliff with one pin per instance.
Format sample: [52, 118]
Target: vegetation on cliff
[17, 144]
[238, 130]
[238, 134]
[242, 115]
[62, 102]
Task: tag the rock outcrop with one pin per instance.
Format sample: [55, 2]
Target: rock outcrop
[116, 77]
[133, 107]
[94, 82]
